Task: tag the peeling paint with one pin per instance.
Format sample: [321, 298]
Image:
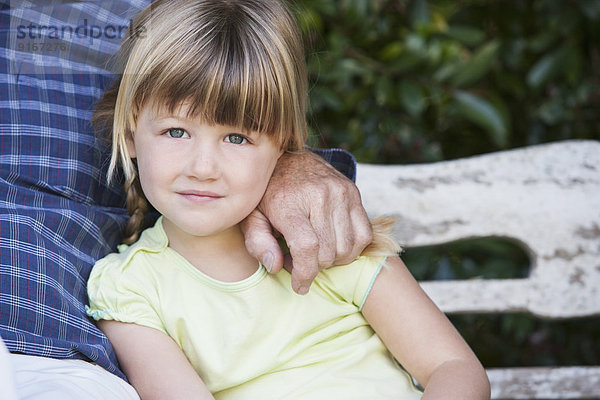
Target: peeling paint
[589, 233]
[444, 226]
[565, 254]
[569, 183]
[545, 383]
[421, 185]
[407, 228]
[577, 277]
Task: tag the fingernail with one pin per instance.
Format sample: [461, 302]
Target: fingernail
[267, 261]
[302, 289]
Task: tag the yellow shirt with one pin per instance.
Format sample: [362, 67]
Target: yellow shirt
[254, 339]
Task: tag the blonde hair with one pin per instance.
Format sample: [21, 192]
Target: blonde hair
[232, 62]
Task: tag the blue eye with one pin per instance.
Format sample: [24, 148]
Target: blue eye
[236, 138]
[176, 133]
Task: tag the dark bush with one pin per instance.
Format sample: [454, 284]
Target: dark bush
[409, 81]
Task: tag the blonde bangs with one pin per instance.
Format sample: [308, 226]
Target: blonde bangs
[228, 68]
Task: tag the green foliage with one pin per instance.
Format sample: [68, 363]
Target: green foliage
[403, 81]
[489, 258]
[522, 340]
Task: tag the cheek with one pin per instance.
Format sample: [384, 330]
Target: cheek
[146, 176]
[256, 178]
[256, 183]
[266, 168]
[145, 168]
[151, 175]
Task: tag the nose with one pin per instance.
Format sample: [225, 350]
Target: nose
[203, 161]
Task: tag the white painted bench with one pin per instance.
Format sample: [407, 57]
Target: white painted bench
[546, 197]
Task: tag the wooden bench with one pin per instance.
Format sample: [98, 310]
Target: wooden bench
[545, 197]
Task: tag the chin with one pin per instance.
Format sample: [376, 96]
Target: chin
[203, 229]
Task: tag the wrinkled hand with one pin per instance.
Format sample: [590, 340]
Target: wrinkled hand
[319, 213]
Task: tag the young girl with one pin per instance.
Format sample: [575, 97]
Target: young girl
[212, 93]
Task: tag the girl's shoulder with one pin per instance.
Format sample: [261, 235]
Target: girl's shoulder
[352, 281]
[152, 241]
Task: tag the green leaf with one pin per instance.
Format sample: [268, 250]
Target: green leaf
[383, 91]
[543, 40]
[349, 67]
[420, 13]
[412, 97]
[413, 54]
[466, 34]
[435, 52]
[323, 7]
[512, 84]
[552, 111]
[573, 65]
[546, 68]
[484, 114]
[590, 8]
[479, 65]
[324, 98]
[391, 51]
[416, 43]
[309, 21]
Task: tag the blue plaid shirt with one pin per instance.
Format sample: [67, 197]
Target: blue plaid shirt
[57, 214]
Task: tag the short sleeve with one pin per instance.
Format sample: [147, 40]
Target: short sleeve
[354, 281]
[122, 293]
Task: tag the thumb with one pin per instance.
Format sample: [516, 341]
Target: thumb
[261, 242]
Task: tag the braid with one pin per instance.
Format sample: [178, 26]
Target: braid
[137, 206]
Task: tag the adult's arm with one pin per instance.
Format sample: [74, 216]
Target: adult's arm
[319, 213]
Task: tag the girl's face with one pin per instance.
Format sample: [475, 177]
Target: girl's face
[203, 179]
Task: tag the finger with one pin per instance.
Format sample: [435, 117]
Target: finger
[304, 249]
[363, 233]
[344, 236]
[260, 242]
[288, 263]
[322, 222]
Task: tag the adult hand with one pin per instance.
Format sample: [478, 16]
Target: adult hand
[319, 213]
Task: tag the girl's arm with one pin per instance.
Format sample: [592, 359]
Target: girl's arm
[153, 363]
[421, 338]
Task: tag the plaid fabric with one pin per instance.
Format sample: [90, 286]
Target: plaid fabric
[57, 215]
[340, 160]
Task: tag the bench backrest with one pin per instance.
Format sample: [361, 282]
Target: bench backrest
[546, 197]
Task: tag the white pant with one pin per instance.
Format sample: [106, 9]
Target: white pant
[39, 378]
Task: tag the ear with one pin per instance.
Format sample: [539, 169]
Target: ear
[130, 145]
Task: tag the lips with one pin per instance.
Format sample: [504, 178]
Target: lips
[199, 196]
